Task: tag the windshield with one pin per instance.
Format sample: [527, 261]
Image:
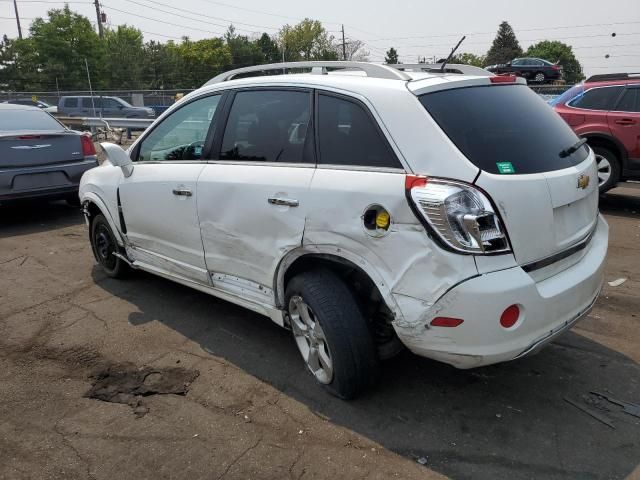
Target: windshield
[504, 129]
[568, 95]
[20, 120]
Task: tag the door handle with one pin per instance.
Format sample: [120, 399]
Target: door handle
[626, 121]
[289, 202]
[185, 192]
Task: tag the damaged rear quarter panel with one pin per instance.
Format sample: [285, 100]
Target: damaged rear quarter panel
[414, 270]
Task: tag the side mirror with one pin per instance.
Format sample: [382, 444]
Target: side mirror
[118, 157]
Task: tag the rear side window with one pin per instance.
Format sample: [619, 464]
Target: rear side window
[87, 102]
[349, 136]
[630, 101]
[71, 102]
[15, 120]
[568, 95]
[504, 129]
[603, 98]
[268, 126]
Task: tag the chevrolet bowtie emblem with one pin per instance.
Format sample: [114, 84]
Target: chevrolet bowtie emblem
[583, 181]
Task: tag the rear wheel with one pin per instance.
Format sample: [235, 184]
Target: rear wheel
[331, 333]
[608, 168]
[104, 245]
[540, 77]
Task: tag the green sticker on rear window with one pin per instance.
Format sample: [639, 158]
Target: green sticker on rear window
[505, 167]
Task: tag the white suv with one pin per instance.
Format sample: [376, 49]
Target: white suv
[454, 214]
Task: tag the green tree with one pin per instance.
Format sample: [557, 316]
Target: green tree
[244, 53]
[561, 53]
[468, 59]
[505, 46]
[391, 57]
[124, 58]
[308, 40]
[62, 43]
[269, 48]
[199, 61]
[18, 70]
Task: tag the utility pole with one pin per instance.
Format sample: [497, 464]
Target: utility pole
[344, 46]
[98, 17]
[15, 6]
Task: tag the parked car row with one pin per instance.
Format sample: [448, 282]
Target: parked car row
[362, 214]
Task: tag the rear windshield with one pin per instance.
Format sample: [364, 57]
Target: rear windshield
[504, 128]
[13, 120]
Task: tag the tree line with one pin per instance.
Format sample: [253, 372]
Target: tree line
[61, 49]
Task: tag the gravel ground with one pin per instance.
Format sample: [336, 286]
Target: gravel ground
[182, 385]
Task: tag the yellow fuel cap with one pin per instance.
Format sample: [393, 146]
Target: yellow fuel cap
[383, 220]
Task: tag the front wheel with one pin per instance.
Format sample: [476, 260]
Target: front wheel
[104, 246]
[540, 77]
[331, 333]
[608, 168]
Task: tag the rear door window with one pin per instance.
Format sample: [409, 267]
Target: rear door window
[348, 135]
[269, 126]
[630, 101]
[603, 98]
[70, 102]
[504, 129]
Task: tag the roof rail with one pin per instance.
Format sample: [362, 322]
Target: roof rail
[317, 67]
[456, 68]
[612, 76]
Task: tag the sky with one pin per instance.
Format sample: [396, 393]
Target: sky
[416, 29]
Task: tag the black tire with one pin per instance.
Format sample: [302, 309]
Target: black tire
[349, 341]
[104, 244]
[611, 158]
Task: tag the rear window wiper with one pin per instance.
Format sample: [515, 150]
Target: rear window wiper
[573, 148]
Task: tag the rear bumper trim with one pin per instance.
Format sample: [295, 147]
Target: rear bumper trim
[545, 262]
[539, 343]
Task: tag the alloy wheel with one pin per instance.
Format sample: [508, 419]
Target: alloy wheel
[311, 340]
[604, 169]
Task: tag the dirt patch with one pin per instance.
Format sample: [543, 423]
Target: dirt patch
[129, 385]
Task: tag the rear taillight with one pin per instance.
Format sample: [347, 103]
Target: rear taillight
[555, 67]
[461, 216]
[88, 149]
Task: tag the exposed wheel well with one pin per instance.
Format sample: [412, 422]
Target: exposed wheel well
[367, 294]
[92, 210]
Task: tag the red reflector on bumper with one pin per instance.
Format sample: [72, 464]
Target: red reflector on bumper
[510, 316]
[446, 322]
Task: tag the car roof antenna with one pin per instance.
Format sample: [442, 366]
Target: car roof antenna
[444, 64]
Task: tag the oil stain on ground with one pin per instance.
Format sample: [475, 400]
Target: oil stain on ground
[127, 384]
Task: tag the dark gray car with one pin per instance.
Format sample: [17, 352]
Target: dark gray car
[40, 157]
[107, 107]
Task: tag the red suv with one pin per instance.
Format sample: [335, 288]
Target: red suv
[605, 110]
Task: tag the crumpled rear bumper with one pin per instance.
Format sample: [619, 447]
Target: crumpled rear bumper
[548, 308]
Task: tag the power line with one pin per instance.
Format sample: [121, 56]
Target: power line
[168, 23]
[207, 16]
